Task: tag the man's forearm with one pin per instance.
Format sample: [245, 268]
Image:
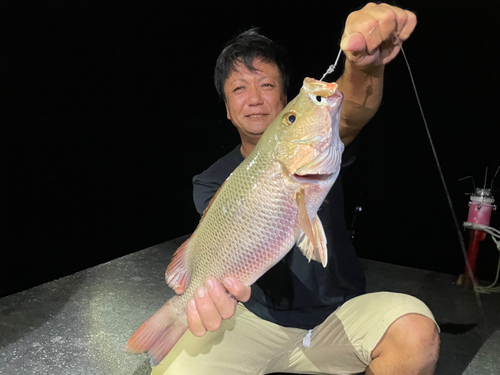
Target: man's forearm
[362, 96]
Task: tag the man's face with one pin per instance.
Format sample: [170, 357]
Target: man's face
[254, 99]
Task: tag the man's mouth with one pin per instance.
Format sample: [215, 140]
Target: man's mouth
[256, 115]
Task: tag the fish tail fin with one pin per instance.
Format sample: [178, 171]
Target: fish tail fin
[158, 335]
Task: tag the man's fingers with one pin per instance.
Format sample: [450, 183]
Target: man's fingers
[353, 43]
[194, 321]
[238, 290]
[371, 33]
[376, 23]
[401, 17]
[225, 305]
[221, 305]
[211, 304]
[411, 22]
[209, 315]
[380, 22]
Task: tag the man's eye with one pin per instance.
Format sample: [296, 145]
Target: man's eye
[238, 88]
[268, 85]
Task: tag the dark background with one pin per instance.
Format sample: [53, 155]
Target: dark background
[108, 110]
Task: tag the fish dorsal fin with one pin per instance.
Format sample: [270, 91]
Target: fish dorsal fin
[178, 271]
[312, 239]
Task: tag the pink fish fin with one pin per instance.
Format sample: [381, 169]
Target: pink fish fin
[178, 271]
[157, 336]
[315, 251]
[320, 250]
[305, 224]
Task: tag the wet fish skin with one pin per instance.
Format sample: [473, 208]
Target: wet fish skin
[266, 205]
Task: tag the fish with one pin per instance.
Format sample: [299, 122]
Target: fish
[266, 205]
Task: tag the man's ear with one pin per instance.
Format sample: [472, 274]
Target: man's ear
[227, 112]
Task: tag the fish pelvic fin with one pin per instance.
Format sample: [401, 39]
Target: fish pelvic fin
[157, 336]
[178, 272]
[314, 250]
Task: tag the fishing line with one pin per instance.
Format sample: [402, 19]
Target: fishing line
[448, 196]
[397, 41]
[331, 68]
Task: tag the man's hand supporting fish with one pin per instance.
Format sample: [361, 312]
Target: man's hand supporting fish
[211, 304]
[368, 43]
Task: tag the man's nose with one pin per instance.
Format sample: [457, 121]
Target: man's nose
[254, 96]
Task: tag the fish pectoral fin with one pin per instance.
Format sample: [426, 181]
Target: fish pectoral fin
[308, 240]
[304, 222]
[178, 272]
[320, 250]
[316, 251]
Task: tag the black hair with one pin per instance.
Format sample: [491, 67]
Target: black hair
[244, 48]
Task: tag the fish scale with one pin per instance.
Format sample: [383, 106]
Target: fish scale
[247, 233]
[265, 206]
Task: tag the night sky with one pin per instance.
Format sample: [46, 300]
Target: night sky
[107, 111]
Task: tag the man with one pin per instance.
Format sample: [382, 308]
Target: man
[298, 317]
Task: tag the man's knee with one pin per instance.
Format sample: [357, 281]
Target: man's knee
[412, 341]
[419, 334]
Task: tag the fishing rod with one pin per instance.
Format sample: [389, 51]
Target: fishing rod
[478, 221]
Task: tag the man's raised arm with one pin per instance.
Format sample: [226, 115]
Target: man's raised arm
[372, 38]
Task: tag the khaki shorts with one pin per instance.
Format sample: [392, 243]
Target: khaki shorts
[247, 344]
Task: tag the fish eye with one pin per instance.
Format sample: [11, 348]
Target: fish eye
[318, 99]
[289, 118]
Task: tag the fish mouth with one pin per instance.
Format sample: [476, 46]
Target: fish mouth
[312, 178]
[315, 139]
